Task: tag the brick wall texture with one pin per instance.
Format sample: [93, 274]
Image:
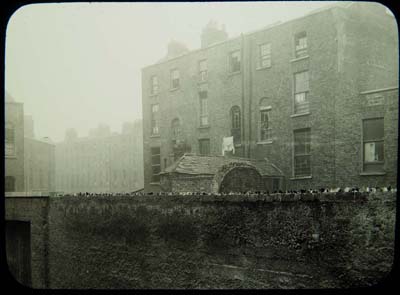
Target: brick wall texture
[262, 241]
[350, 51]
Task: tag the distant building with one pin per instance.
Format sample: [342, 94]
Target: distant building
[101, 162]
[39, 165]
[29, 128]
[14, 145]
[316, 96]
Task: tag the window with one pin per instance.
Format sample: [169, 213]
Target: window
[176, 128]
[301, 88]
[302, 146]
[9, 184]
[236, 124]
[154, 85]
[373, 142]
[154, 119]
[265, 55]
[301, 44]
[234, 61]
[265, 129]
[9, 140]
[155, 164]
[174, 79]
[203, 70]
[203, 108]
[204, 146]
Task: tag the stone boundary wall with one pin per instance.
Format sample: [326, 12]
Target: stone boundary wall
[320, 240]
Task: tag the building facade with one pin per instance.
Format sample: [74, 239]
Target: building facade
[14, 145]
[317, 96]
[39, 165]
[101, 162]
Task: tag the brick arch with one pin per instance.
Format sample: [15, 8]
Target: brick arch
[226, 169]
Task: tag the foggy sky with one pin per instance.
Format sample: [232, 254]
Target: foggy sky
[75, 65]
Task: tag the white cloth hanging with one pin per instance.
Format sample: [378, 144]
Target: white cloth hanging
[227, 145]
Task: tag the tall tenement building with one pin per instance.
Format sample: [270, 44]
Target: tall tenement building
[315, 99]
[101, 162]
[14, 145]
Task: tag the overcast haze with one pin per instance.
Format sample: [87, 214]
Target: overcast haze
[76, 65]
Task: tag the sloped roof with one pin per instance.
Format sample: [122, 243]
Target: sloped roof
[209, 165]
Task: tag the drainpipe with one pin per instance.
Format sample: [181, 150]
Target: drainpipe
[250, 93]
[242, 112]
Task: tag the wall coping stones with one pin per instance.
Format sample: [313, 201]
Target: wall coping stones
[237, 198]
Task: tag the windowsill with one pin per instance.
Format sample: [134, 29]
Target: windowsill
[237, 145]
[204, 127]
[299, 58]
[262, 68]
[372, 173]
[264, 142]
[155, 136]
[153, 94]
[174, 89]
[154, 183]
[233, 73]
[10, 157]
[301, 178]
[299, 115]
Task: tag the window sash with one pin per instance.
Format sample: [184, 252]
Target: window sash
[373, 129]
[374, 152]
[301, 43]
[202, 66]
[155, 164]
[204, 120]
[302, 153]
[301, 82]
[235, 61]
[154, 119]
[154, 85]
[302, 165]
[265, 55]
[265, 129]
[203, 106]
[174, 79]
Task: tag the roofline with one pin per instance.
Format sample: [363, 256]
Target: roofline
[266, 28]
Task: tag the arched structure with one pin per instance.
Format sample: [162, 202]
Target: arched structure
[237, 177]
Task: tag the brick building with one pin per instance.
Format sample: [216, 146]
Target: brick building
[101, 162]
[14, 145]
[317, 96]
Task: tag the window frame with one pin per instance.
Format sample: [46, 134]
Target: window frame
[203, 73]
[266, 109]
[236, 124]
[302, 51]
[172, 86]
[10, 143]
[203, 112]
[175, 128]
[230, 61]
[154, 120]
[154, 87]
[380, 164]
[306, 94]
[299, 176]
[262, 57]
[153, 155]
